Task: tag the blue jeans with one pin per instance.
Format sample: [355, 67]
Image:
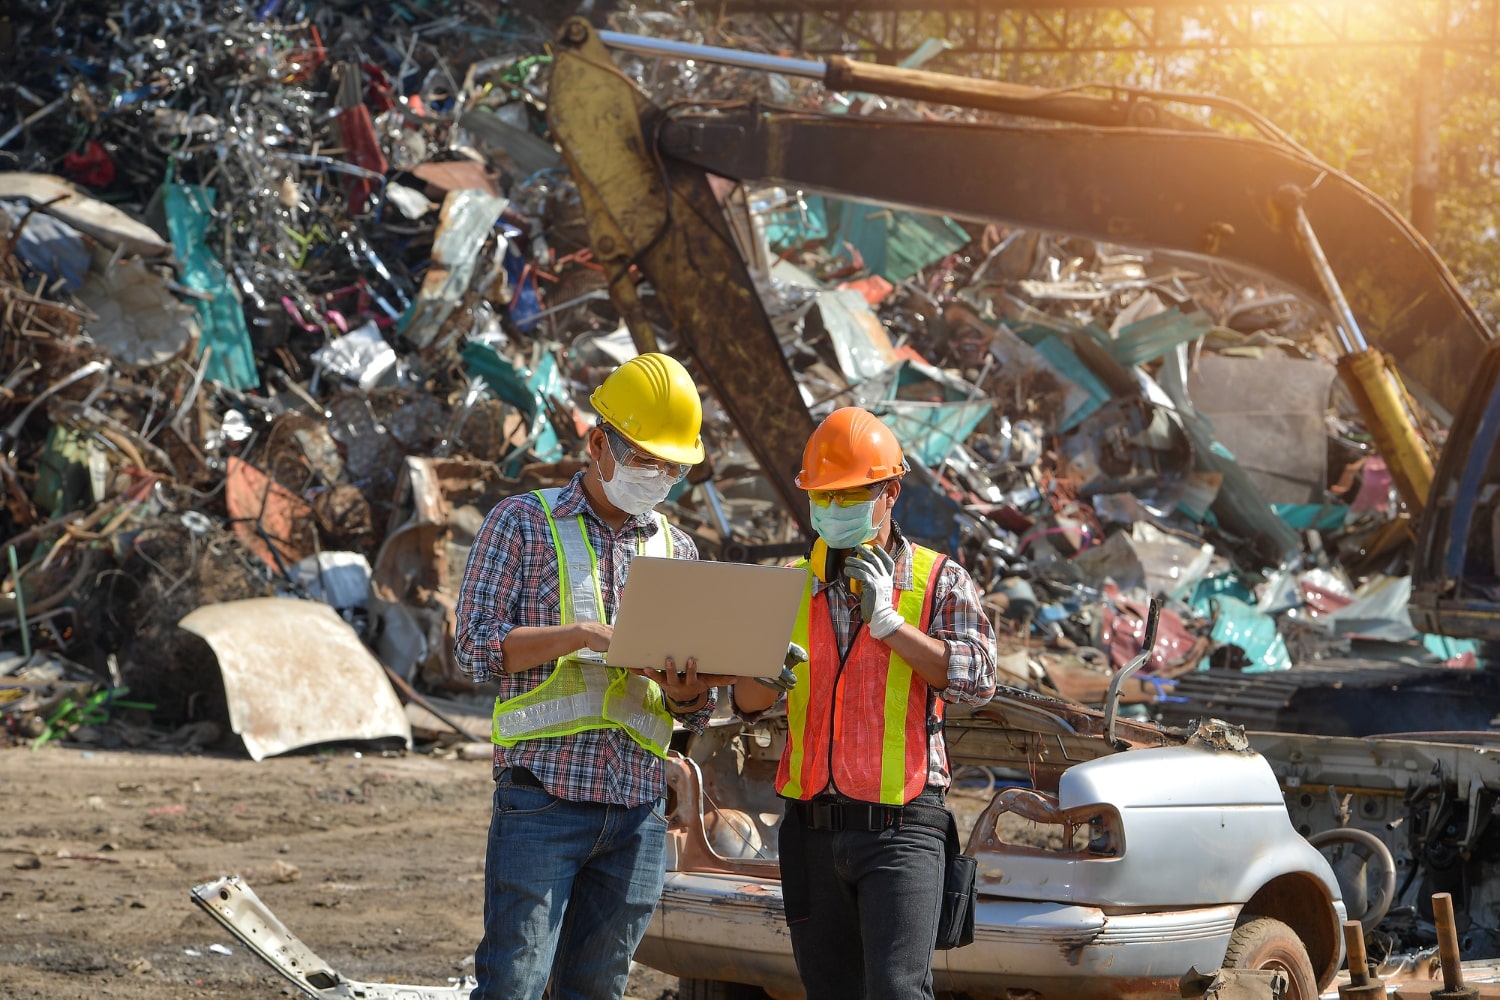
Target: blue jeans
[862, 907]
[569, 888]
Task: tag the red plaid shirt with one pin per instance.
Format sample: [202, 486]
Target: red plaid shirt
[512, 581]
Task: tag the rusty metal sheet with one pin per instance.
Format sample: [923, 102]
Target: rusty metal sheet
[411, 591]
[90, 216]
[1422, 989]
[296, 675]
[266, 516]
[1204, 198]
[458, 175]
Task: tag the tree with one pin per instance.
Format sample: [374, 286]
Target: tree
[1340, 84]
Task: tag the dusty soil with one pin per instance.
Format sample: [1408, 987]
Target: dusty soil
[374, 861]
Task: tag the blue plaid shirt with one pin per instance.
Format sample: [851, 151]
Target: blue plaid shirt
[511, 581]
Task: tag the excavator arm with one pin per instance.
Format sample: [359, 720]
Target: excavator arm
[1121, 170]
[660, 216]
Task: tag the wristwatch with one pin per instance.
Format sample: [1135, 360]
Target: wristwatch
[683, 707]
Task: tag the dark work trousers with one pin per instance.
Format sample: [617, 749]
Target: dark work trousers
[862, 907]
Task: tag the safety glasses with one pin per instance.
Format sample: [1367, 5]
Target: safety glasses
[851, 497]
[631, 457]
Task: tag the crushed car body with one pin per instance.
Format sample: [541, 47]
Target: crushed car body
[1105, 870]
[1112, 876]
[1402, 817]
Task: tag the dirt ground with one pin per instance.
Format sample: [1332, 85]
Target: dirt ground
[375, 862]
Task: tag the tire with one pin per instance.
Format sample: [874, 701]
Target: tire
[715, 989]
[1267, 943]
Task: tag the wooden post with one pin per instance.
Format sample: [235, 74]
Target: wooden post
[1447, 935]
[1362, 985]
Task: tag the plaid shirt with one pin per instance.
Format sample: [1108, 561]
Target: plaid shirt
[512, 581]
[958, 620]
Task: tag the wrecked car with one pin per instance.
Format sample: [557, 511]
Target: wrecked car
[1115, 859]
[1104, 871]
[1107, 868]
[1401, 818]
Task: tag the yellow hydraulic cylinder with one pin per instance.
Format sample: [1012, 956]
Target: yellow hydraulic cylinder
[1383, 404]
[1368, 372]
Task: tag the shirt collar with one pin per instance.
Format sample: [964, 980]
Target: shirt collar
[574, 500]
[903, 571]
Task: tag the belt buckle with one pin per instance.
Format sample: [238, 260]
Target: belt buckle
[828, 816]
[883, 818]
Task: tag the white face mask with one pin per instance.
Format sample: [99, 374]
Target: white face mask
[636, 491]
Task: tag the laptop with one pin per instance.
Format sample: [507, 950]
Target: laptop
[735, 618]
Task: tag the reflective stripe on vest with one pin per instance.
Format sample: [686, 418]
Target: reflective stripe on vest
[576, 697]
[859, 727]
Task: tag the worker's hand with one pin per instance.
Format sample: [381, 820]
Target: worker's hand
[594, 635]
[787, 679]
[873, 566]
[686, 686]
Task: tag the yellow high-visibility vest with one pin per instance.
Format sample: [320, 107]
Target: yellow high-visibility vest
[579, 696]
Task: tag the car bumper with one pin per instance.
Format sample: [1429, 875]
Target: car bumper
[726, 927]
[721, 927]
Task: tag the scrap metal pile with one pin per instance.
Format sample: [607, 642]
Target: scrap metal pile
[294, 291]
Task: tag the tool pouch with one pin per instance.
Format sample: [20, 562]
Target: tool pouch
[956, 920]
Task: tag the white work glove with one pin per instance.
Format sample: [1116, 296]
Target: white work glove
[787, 679]
[874, 567]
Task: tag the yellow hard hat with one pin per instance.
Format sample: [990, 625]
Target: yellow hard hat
[651, 399]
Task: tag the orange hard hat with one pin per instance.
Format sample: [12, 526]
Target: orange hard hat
[851, 447]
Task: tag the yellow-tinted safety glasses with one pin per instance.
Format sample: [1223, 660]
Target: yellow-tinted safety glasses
[851, 497]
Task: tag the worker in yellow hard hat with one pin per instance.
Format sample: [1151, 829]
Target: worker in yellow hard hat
[575, 861]
[893, 631]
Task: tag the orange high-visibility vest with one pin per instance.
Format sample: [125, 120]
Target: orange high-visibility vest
[859, 726]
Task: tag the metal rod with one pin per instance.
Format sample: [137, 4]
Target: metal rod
[1349, 331]
[1447, 935]
[725, 531]
[15, 577]
[1148, 645]
[9, 435]
[984, 372]
[32, 119]
[411, 692]
[597, 293]
[661, 47]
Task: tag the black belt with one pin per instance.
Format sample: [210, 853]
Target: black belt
[522, 776]
[835, 815]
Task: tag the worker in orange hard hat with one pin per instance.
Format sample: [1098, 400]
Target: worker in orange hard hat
[575, 861]
[893, 631]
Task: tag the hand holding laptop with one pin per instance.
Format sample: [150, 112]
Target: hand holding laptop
[684, 685]
[680, 685]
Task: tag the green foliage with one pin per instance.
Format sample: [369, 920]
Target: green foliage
[1468, 234]
[1340, 79]
[91, 711]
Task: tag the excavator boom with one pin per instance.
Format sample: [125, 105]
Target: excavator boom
[1121, 171]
